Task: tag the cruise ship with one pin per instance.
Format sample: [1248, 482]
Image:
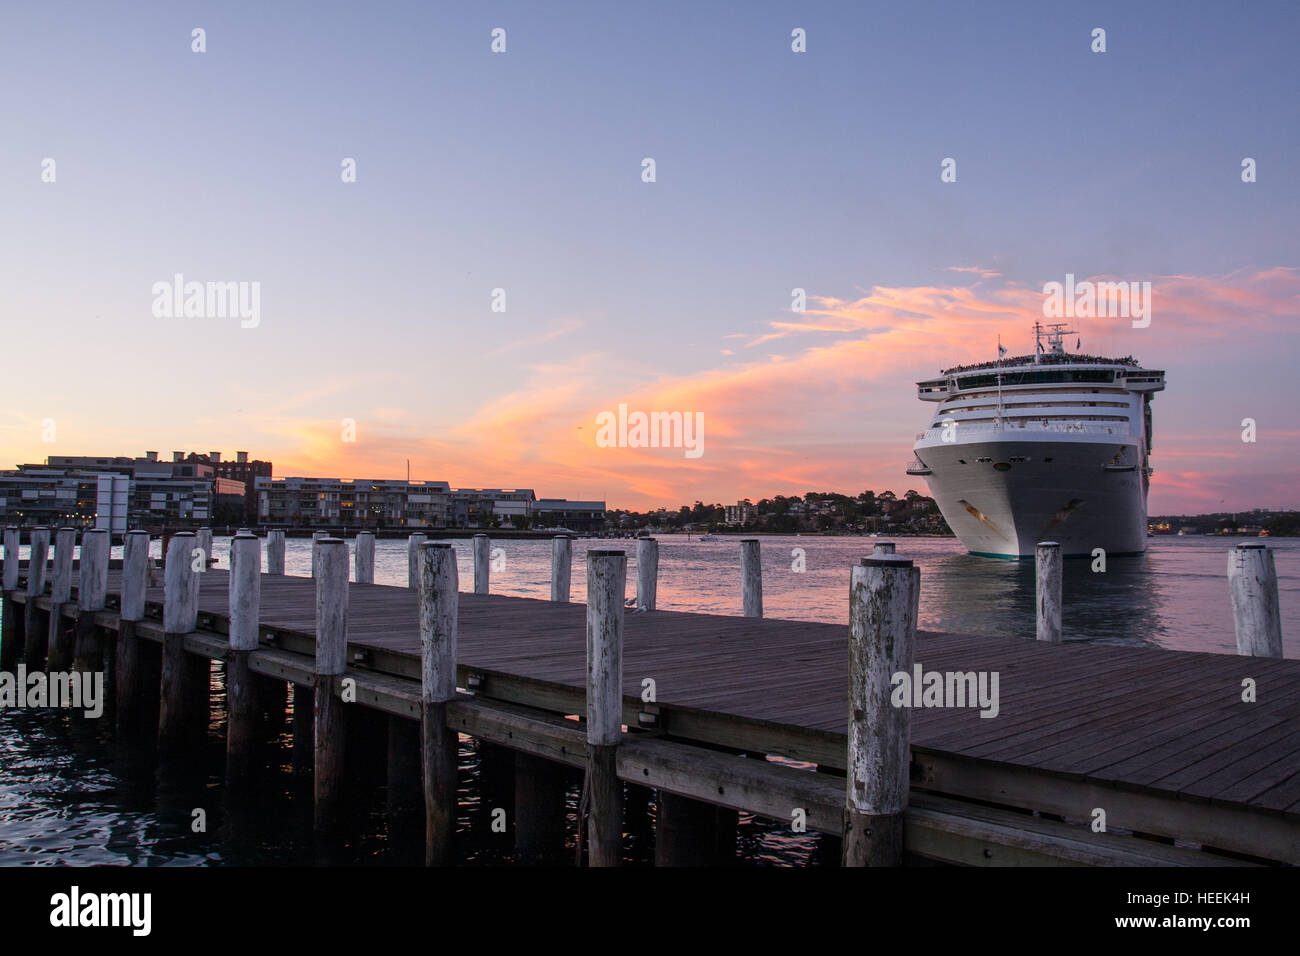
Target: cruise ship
[1053, 446]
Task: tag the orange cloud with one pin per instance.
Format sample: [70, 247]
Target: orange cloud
[834, 409]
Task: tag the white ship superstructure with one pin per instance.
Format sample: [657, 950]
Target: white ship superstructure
[1051, 446]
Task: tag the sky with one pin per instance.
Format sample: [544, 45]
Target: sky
[376, 341]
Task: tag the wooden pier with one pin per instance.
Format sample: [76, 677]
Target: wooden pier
[1096, 755]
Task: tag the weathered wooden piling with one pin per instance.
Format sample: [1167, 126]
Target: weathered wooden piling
[92, 595]
[1047, 590]
[647, 573]
[439, 612]
[751, 577]
[10, 631]
[59, 644]
[203, 541]
[275, 552]
[316, 538]
[561, 563]
[882, 637]
[331, 660]
[1256, 615]
[35, 628]
[241, 691]
[606, 584]
[184, 691]
[364, 557]
[887, 549]
[414, 555]
[138, 667]
[482, 563]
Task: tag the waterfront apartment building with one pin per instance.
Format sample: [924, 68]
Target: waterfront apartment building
[120, 492]
[198, 489]
[354, 503]
[35, 496]
[300, 502]
[491, 507]
[574, 515]
[239, 469]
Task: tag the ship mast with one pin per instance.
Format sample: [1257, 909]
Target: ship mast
[1054, 331]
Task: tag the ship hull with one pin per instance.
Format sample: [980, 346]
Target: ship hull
[1063, 492]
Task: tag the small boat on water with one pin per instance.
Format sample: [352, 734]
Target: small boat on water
[709, 537]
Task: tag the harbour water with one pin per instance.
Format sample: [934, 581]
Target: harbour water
[69, 793]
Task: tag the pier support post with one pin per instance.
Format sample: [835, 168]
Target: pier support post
[364, 557]
[647, 573]
[539, 810]
[36, 634]
[330, 731]
[561, 563]
[137, 669]
[886, 549]
[59, 645]
[414, 544]
[439, 614]
[1256, 617]
[606, 585]
[10, 631]
[882, 636]
[203, 541]
[241, 692]
[92, 595]
[184, 677]
[751, 577]
[275, 552]
[482, 563]
[1047, 591]
[316, 538]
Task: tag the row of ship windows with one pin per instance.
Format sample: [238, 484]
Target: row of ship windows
[1011, 419]
[1022, 392]
[978, 408]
